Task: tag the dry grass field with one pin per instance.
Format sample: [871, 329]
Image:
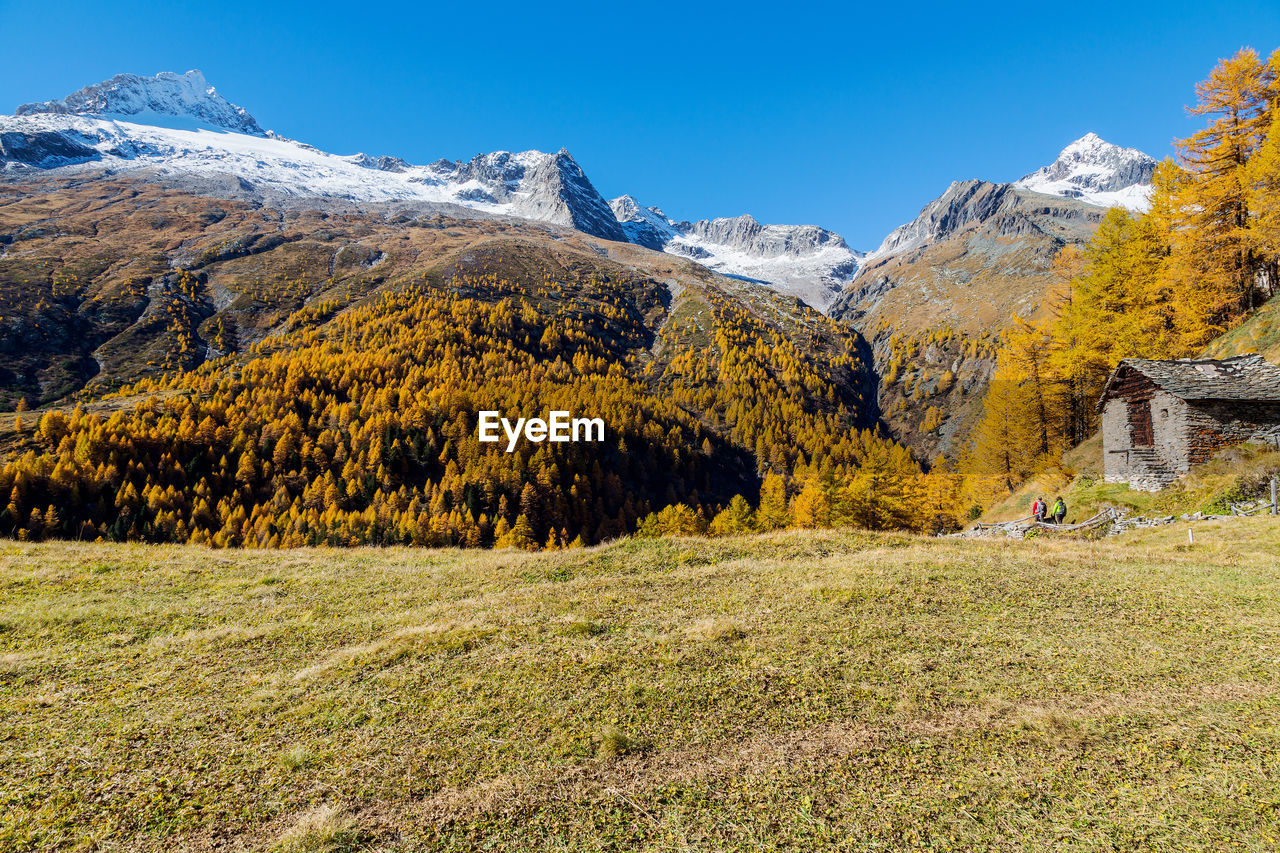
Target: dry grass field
[795, 691]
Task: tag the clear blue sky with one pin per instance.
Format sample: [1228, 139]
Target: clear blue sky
[850, 118]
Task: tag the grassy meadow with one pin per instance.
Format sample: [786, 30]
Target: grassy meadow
[798, 691]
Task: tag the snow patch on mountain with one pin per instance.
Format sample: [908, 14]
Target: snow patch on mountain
[79, 143]
[805, 261]
[1098, 172]
[176, 127]
[644, 226]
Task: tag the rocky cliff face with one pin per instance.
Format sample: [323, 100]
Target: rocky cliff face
[1001, 210]
[974, 256]
[535, 185]
[963, 203]
[43, 149]
[745, 234]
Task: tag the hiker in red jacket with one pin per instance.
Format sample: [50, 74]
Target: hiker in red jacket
[1039, 509]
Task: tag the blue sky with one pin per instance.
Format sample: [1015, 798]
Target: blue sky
[843, 116]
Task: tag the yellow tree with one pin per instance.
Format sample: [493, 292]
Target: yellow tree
[1213, 260]
[1264, 201]
[1027, 347]
[772, 513]
[734, 519]
[1117, 307]
[1004, 446]
[811, 508]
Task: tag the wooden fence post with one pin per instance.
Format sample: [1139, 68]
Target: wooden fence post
[1273, 496]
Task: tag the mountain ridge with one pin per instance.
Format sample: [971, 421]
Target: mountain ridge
[177, 95]
[806, 261]
[177, 128]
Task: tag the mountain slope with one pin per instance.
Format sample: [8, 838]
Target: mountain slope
[111, 280]
[319, 374]
[1259, 333]
[954, 263]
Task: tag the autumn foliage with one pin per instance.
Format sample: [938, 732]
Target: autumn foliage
[361, 429]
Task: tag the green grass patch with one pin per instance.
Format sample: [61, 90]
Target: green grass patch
[793, 691]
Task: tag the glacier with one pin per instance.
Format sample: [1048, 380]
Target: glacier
[805, 261]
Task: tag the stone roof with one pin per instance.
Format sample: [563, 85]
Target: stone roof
[1247, 377]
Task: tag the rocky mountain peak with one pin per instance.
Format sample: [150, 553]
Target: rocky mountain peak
[626, 208]
[183, 96]
[535, 185]
[1096, 171]
[644, 226]
[1090, 170]
[964, 203]
[806, 261]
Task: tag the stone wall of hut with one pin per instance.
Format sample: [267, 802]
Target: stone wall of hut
[1213, 425]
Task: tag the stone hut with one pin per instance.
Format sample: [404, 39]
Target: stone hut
[1161, 417]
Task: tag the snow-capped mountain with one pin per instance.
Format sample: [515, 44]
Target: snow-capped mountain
[976, 256]
[167, 94]
[1093, 170]
[982, 244]
[805, 261]
[178, 128]
[644, 226]
[531, 185]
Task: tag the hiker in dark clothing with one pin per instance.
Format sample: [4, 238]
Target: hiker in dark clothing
[1059, 510]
